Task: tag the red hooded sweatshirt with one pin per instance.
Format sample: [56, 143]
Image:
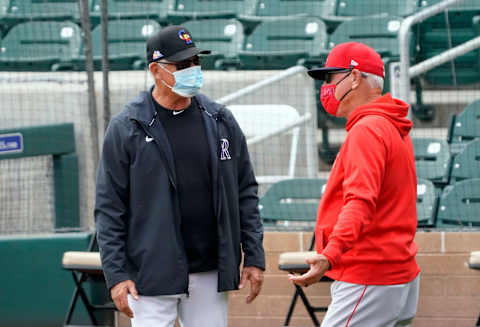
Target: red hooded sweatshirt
[367, 217]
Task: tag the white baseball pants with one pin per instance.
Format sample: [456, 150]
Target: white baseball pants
[203, 307]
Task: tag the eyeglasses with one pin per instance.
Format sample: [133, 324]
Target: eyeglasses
[329, 76]
[184, 63]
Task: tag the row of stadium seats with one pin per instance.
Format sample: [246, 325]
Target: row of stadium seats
[448, 192]
[274, 44]
[294, 202]
[178, 11]
[250, 12]
[455, 159]
[456, 205]
[441, 174]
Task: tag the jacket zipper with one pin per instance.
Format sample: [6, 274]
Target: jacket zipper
[215, 117]
[218, 169]
[170, 176]
[172, 181]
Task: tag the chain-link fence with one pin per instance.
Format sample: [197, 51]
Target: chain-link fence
[51, 63]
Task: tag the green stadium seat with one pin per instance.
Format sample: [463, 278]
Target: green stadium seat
[17, 11]
[287, 203]
[345, 10]
[283, 8]
[427, 200]
[476, 24]
[465, 126]
[444, 31]
[126, 43]
[4, 6]
[284, 43]
[277, 9]
[210, 9]
[40, 46]
[355, 8]
[467, 163]
[134, 9]
[379, 32]
[224, 37]
[432, 159]
[292, 200]
[460, 204]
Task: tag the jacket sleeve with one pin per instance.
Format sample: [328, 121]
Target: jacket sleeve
[250, 224]
[365, 155]
[111, 202]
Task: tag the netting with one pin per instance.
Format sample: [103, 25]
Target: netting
[43, 81]
[29, 203]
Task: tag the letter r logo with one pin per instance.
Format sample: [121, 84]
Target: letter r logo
[224, 155]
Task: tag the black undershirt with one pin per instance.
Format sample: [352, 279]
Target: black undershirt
[188, 140]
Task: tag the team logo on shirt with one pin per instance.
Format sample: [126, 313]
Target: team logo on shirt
[185, 36]
[224, 154]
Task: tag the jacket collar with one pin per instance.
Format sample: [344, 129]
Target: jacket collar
[142, 108]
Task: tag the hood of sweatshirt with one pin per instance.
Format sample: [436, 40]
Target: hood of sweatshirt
[393, 109]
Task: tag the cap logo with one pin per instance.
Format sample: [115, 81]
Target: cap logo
[185, 36]
[156, 55]
[353, 63]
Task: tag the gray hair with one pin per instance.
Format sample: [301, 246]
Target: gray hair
[375, 81]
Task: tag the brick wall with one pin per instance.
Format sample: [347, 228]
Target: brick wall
[449, 290]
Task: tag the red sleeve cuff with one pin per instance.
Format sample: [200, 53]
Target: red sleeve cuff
[333, 253]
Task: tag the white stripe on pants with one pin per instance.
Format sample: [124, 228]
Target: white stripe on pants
[203, 307]
[372, 305]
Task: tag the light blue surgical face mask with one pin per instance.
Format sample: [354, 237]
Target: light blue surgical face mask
[187, 81]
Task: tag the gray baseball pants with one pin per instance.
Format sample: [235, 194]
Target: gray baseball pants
[355, 305]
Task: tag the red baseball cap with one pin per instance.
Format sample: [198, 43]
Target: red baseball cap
[351, 55]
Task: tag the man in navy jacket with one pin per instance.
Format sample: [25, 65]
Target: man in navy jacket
[176, 199]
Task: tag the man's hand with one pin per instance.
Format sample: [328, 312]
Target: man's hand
[255, 276]
[119, 294]
[318, 267]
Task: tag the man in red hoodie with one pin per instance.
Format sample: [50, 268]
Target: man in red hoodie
[367, 217]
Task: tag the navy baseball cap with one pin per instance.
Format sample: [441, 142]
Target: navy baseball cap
[173, 43]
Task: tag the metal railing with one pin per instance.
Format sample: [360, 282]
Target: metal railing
[405, 71]
[304, 119]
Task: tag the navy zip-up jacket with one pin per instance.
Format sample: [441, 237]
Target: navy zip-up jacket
[137, 211]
